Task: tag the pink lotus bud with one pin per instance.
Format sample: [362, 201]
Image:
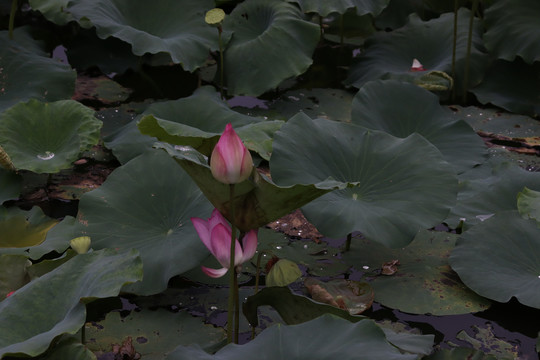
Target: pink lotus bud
[231, 162]
[215, 233]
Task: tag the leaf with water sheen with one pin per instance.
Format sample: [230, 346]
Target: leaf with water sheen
[36, 314]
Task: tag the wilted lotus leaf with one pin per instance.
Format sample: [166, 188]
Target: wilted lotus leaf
[390, 267]
[353, 296]
[19, 229]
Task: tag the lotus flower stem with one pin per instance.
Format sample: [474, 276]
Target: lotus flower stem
[469, 44]
[233, 282]
[221, 70]
[12, 17]
[348, 242]
[456, 7]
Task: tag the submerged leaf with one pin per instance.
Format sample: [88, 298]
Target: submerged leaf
[353, 296]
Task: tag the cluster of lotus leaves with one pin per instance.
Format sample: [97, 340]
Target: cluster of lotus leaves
[398, 165]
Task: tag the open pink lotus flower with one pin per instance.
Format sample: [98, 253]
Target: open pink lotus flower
[215, 233]
[230, 162]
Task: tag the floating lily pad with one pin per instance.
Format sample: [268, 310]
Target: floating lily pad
[361, 340]
[484, 339]
[325, 8]
[394, 107]
[146, 204]
[404, 185]
[514, 86]
[69, 347]
[512, 29]
[27, 71]
[181, 30]
[22, 229]
[498, 258]
[47, 137]
[154, 332]
[389, 55]
[89, 276]
[459, 354]
[252, 64]
[423, 273]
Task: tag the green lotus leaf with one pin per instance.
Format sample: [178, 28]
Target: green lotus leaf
[390, 54]
[401, 109]
[10, 185]
[257, 200]
[154, 332]
[325, 8]
[13, 273]
[147, 204]
[53, 10]
[512, 29]
[69, 347]
[404, 185]
[54, 304]
[528, 203]
[21, 229]
[489, 189]
[423, 273]
[27, 71]
[498, 259]
[175, 27]
[199, 120]
[47, 137]
[271, 43]
[312, 339]
[514, 86]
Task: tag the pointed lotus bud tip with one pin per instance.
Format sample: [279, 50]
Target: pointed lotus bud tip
[80, 244]
[417, 66]
[214, 17]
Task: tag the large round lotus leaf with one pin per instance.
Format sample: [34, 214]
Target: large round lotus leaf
[390, 54]
[10, 185]
[327, 337]
[69, 347]
[513, 29]
[489, 189]
[423, 273]
[22, 229]
[401, 109]
[404, 184]
[147, 204]
[271, 43]
[514, 86]
[47, 137]
[27, 71]
[325, 7]
[171, 26]
[33, 316]
[498, 259]
[154, 332]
